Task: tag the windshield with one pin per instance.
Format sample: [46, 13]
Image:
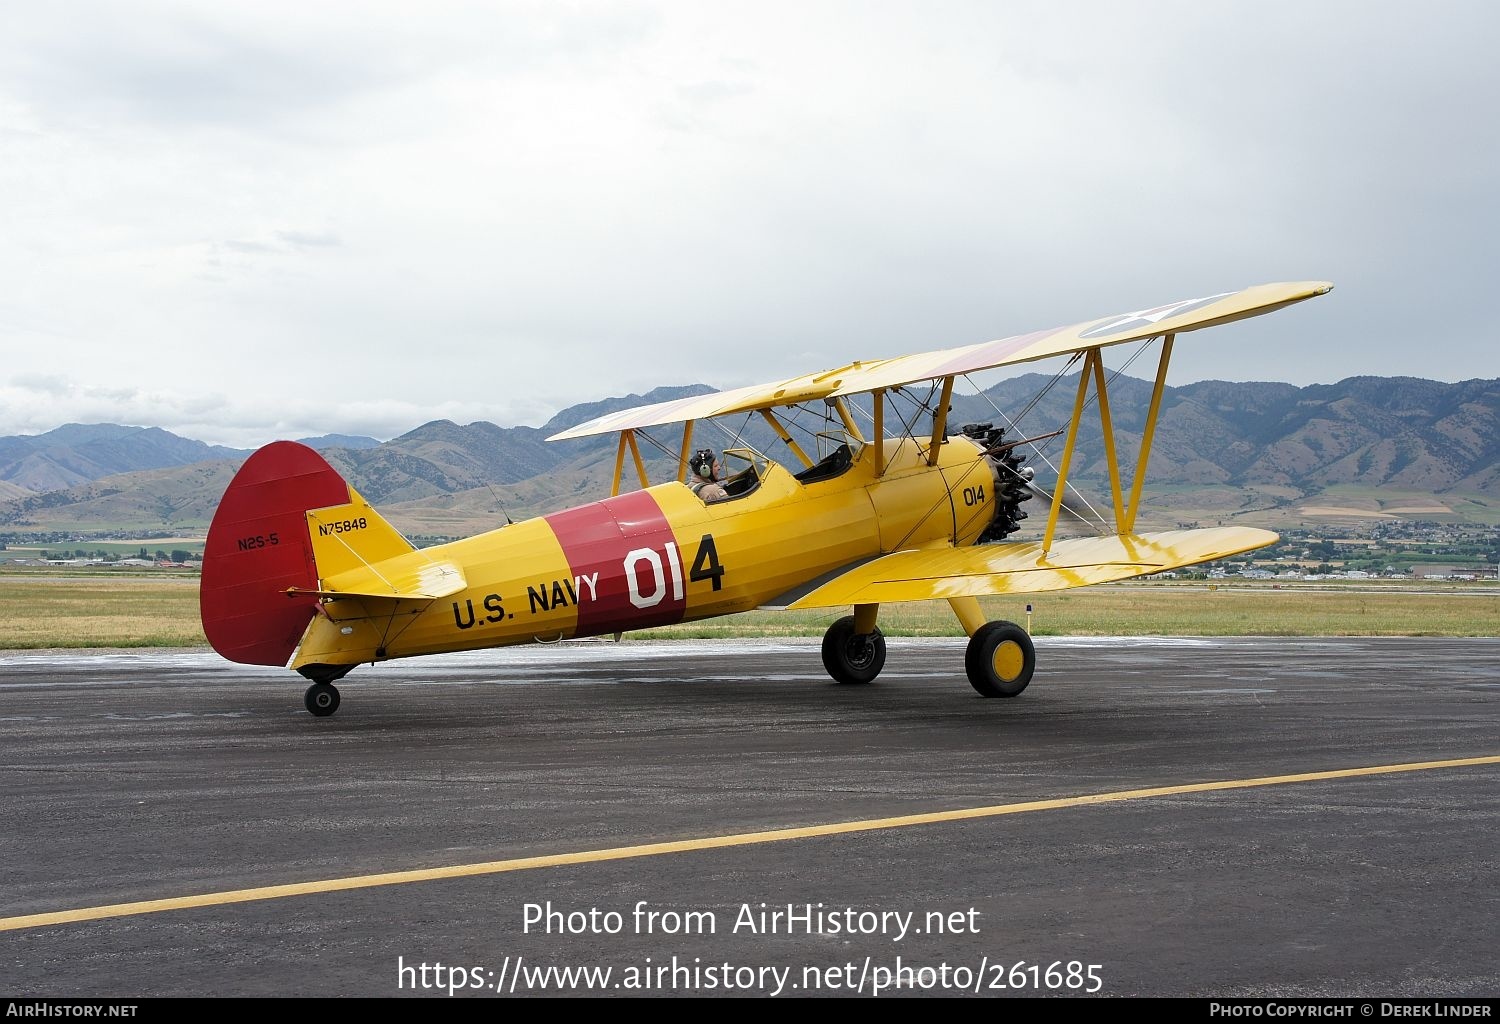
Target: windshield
[743, 461]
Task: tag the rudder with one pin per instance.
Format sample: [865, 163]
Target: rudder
[258, 548]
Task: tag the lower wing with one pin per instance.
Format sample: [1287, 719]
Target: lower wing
[929, 574]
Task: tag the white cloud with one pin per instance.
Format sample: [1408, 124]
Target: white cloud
[350, 218]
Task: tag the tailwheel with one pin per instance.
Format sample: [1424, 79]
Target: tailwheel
[1000, 659]
[322, 699]
[852, 657]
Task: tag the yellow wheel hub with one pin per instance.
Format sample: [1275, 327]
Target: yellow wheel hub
[1008, 660]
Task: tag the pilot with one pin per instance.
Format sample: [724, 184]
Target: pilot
[706, 472]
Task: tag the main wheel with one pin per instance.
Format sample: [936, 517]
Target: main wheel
[322, 699]
[1000, 659]
[851, 657]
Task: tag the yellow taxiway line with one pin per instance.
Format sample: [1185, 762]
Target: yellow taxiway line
[271, 892]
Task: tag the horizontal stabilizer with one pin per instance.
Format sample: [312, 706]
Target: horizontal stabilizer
[990, 569]
[401, 579]
[360, 554]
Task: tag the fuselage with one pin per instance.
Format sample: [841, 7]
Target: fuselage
[661, 556]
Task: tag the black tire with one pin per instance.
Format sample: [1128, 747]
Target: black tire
[850, 657]
[322, 699]
[1000, 659]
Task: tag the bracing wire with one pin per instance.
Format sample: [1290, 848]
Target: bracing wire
[1041, 450]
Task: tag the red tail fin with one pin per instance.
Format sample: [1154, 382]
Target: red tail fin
[258, 547]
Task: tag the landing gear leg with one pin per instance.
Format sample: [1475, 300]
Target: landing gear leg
[854, 647]
[970, 614]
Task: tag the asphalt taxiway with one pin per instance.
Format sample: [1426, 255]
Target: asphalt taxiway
[1153, 817]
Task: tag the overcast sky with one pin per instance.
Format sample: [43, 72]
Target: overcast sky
[249, 221]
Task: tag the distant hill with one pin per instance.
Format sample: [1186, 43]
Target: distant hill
[328, 441]
[1222, 449]
[443, 458]
[77, 453]
[1397, 432]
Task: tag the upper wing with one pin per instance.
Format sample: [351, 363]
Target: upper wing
[679, 410]
[858, 377]
[928, 574]
[1174, 318]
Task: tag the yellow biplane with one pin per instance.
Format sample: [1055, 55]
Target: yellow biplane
[299, 567]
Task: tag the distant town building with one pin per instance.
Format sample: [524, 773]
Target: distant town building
[1454, 572]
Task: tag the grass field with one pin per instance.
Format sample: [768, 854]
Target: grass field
[43, 612]
[38, 612]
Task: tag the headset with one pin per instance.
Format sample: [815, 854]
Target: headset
[702, 463]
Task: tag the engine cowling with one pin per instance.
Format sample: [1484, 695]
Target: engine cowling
[1012, 480]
